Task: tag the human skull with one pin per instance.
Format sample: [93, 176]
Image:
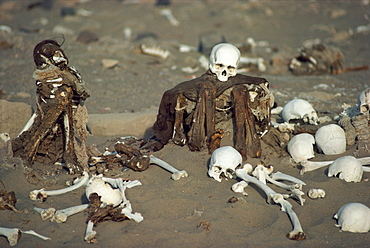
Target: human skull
[353, 217]
[224, 60]
[347, 168]
[223, 162]
[300, 109]
[331, 139]
[300, 147]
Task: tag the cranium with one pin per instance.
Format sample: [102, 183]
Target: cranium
[300, 147]
[331, 139]
[300, 109]
[223, 162]
[224, 60]
[347, 168]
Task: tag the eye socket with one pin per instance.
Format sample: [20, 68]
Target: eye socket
[219, 66]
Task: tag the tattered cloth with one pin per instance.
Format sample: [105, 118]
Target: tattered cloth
[163, 127]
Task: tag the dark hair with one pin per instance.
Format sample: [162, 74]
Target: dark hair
[46, 48]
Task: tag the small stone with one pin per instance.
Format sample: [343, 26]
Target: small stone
[109, 63]
[86, 37]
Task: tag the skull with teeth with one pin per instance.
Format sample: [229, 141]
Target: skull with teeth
[223, 162]
[224, 60]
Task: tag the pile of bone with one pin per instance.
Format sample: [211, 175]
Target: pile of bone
[225, 163]
[330, 139]
[109, 193]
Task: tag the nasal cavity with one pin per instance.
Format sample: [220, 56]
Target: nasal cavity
[223, 73]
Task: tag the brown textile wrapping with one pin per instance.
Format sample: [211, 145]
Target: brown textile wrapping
[163, 127]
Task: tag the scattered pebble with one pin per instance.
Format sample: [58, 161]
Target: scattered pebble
[109, 63]
[87, 37]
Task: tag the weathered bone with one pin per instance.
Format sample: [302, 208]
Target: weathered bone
[353, 217]
[314, 165]
[90, 233]
[284, 177]
[42, 194]
[316, 193]
[61, 216]
[45, 213]
[168, 14]
[239, 187]
[297, 232]
[14, 234]
[176, 174]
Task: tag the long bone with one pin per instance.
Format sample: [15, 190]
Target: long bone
[297, 232]
[168, 14]
[14, 234]
[42, 194]
[314, 165]
[90, 233]
[61, 216]
[285, 177]
[176, 174]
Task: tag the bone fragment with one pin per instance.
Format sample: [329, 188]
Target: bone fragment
[239, 187]
[43, 194]
[168, 14]
[296, 194]
[316, 193]
[176, 174]
[45, 213]
[28, 124]
[12, 234]
[61, 216]
[90, 233]
[262, 172]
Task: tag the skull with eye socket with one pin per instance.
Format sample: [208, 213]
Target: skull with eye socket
[49, 52]
[224, 60]
[194, 112]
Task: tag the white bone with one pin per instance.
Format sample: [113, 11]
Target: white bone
[364, 101]
[32, 232]
[45, 213]
[348, 168]
[287, 207]
[12, 234]
[296, 193]
[300, 147]
[300, 109]
[224, 60]
[259, 62]
[284, 177]
[28, 124]
[314, 165]
[61, 216]
[109, 196]
[239, 187]
[262, 172]
[316, 193]
[168, 14]
[186, 48]
[79, 183]
[272, 196]
[176, 174]
[125, 204]
[224, 161]
[353, 217]
[331, 139]
[90, 233]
